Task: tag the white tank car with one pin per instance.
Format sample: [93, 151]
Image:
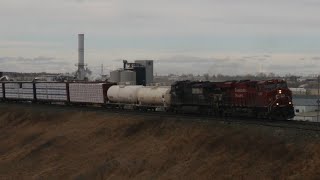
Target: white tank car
[154, 96]
[123, 94]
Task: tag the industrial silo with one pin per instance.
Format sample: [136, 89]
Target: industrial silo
[128, 77]
[115, 76]
[140, 75]
[148, 64]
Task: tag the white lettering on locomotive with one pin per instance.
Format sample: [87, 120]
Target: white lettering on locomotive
[240, 90]
[239, 95]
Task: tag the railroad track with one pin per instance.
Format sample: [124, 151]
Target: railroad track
[287, 124]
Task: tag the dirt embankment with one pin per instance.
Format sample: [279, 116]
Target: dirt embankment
[46, 143]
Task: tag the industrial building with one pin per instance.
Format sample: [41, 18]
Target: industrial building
[305, 108]
[138, 73]
[312, 116]
[304, 104]
[298, 91]
[16, 76]
[148, 64]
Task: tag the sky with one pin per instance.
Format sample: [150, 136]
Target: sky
[182, 36]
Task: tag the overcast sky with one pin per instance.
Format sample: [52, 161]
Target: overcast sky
[183, 36]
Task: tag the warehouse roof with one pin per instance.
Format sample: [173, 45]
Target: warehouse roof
[305, 100]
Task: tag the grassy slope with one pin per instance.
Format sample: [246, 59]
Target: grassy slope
[48, 143]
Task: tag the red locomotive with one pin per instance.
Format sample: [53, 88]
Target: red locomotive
[263, 99]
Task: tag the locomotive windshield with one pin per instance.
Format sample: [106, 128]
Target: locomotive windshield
[273, 86]
[282, 85]
[270, 86]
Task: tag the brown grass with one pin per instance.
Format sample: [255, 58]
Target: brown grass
[43, 143]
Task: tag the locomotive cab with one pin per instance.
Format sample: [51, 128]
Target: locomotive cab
[276, 96]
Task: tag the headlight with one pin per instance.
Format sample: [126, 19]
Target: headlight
[277, 104]
[280, 91]
[290, 102]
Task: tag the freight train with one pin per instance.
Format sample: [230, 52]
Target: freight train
[262, 99]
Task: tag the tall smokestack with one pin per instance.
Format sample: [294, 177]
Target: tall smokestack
[81, 49]
[81, 71]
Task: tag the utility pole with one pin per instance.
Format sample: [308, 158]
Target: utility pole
[101, 69]
[318, 101]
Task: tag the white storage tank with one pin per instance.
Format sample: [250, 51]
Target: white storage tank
[123, 94]
[115, 76]
[154, 96]
[128, 77]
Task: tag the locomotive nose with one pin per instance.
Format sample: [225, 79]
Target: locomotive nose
[282, 98]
